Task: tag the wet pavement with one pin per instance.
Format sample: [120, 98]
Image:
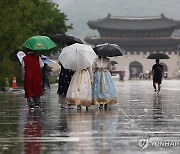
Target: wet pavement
[141, 122]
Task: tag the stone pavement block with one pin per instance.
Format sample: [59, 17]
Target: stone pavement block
[141, 122]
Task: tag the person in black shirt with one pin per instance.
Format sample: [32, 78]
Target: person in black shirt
[45, 76]
[157, 71]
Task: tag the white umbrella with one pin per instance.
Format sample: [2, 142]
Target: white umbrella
[20, 55]
[77, 56]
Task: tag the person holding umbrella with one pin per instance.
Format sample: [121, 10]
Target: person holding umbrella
[65, 74]
[103, 88]
[80, 91]
[31, 66]
[157, 71]
[79, 57]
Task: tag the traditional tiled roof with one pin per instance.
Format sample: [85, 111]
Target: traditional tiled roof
[139, 43]
[167, 40]
[134, 23]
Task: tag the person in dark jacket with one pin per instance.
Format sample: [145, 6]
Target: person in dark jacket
[65, 76]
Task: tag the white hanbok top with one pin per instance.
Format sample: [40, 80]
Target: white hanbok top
[102, 63]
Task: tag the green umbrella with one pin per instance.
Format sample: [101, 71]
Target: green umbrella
[39, 43]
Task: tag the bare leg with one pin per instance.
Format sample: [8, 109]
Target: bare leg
[154, 85]
[62, 101]
[159, 88]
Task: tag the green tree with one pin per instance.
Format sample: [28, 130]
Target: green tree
[21, 19]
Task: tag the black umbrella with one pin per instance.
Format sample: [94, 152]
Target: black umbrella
[108, 50]
[158, 56]
[114, 62]
[65, 39]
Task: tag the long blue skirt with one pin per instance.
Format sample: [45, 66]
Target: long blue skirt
[103, 88]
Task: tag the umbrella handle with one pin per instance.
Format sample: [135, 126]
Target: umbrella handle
[79, 80]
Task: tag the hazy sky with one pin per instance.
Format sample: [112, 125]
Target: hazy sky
[80, 11]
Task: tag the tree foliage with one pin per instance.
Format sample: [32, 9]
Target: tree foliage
[21, 19]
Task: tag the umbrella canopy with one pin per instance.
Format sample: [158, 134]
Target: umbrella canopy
[65, 39]
[114, 62]
[39, 43]
[20, 55]
[158, 56]
[108, 50]
[77, 56]
[46, 60]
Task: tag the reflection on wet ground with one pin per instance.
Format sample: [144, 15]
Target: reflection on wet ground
[139, 114]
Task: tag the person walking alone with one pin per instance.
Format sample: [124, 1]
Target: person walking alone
[157, 71]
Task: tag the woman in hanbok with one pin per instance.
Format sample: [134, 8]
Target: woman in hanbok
[103, 87]
[80, 89]
[31, 66]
